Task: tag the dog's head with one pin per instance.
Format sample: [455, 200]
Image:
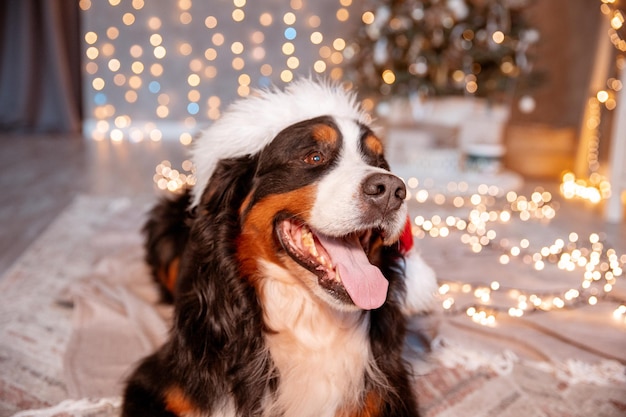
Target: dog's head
[318, 201]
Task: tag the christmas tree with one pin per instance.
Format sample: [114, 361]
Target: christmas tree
[443, 47]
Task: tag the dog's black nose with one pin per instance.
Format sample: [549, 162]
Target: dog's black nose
[384, 191]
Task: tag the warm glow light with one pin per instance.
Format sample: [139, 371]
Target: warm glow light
[154, 23]
[389, 77]
[602, 96]
[238, 15]
[98, 83]
[136, 51]
[244, 79]
[296, 4]
[193, 80]
[266, 19]
[113, 32]
[156, 70]
[116, 135]
[210, 22]
[289, 18]
[238, 64]
[210, 54]
[288, 48]
[114, 65]
[91, 68]
[210, 71]
[617, 21]
[471, 87]
[257, 37]
[342, 15]
[107, 49]
[243, 90]
[163, 99]
[185, 139]
[217, 39]
[155, 39]
[128, 19]
[137, 67]
[316, 38]
[135, 82]
[185, 49]
[236, 48]
[339, 44]
[319, 66]
[84, 4]
[293, 62]
[91, 37]
[195, 65]
[266, 70]
[159, 52]
[92, 52]
[258, 53]
[193, 95]
[162, 111]
[286, 76]
[130, 96]
[185, 18]
[368, 18]
[498, 37]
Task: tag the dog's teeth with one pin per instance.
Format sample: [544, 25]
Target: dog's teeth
[337, 276]
[309, 242]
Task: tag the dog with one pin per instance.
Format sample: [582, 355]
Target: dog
[291, 268]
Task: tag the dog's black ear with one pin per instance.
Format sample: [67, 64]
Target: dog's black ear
[166, 233]
[217, 335]
[229, 184]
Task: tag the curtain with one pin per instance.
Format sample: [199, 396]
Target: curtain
[40, 74]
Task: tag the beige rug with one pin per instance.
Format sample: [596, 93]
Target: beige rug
[77, 310]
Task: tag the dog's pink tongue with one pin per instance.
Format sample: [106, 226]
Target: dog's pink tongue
[365, 284]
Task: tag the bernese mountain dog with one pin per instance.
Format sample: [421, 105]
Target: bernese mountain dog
[290, 267]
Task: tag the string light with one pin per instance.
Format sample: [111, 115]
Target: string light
[599, 266]
[222, 60]
[596, 187]
[173, 180]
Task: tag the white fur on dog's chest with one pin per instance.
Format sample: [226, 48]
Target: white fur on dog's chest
[322, 355]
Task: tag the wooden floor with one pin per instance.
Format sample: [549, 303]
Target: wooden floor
[39, 177]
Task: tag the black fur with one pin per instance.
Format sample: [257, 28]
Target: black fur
[216, 348]
[216, 345]
[387, 337]
[166, 233]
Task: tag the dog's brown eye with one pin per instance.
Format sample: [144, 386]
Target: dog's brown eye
[315, 158]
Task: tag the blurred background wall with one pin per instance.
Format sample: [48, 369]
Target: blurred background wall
[163, 69]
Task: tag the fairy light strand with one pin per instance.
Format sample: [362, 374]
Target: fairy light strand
[152, 77]
[598, 265]
[596, 187]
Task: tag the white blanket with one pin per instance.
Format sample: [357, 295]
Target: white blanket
[79, 309]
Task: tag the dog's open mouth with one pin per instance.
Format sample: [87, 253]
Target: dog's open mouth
[341, 264]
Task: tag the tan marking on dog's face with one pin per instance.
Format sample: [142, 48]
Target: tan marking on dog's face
[245, 204]
[371, 407]
[168, 275]
[257, 240]
[374, 144]
[177, 402]
[325, 134]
